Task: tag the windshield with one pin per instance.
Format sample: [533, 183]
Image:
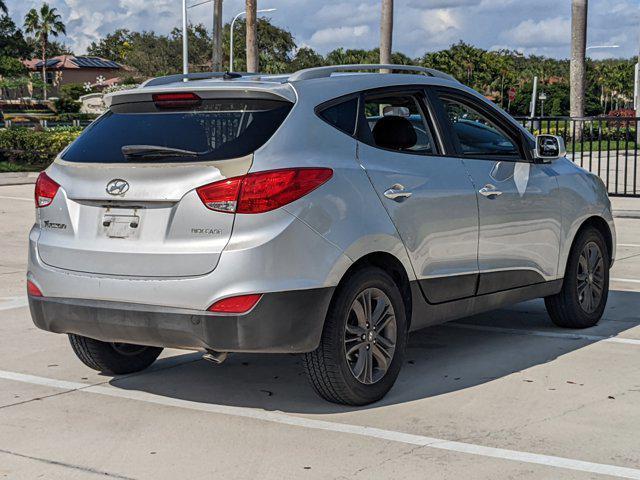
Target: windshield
[214, 130]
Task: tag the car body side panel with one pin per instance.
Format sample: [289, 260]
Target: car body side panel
[583, 195]
[346, 210]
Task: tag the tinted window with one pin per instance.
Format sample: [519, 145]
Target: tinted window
[214, 130]
[477, 135]
[396, 122]
[342, 115]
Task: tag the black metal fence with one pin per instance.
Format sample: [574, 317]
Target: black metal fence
[606, 146]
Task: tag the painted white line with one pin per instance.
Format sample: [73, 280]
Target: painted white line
[295, 421]
[629, 245]
[17, 198]
[628, 280]
[541, 333]
[9, 303]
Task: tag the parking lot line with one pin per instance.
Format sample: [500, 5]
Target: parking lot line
[17, 198]
[295, 421]
[628, 245]
[541, 333]
[628, 280]
[9, 303]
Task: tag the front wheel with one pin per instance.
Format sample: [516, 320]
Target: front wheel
[363, 341]
[583, 298]
[116, 358]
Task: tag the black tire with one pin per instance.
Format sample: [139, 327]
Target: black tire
[118, 359]
[328, 367]
[567, 309]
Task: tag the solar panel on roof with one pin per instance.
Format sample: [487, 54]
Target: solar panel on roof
[94, 62]
[50, 63]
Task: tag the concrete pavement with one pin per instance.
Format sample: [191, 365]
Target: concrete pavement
[499, 395]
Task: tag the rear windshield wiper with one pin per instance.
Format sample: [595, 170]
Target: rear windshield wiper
[155, 151]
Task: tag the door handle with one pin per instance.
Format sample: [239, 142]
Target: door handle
[397, 193]
[489, 191]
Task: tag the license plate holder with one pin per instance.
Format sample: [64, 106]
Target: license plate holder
[121, 226]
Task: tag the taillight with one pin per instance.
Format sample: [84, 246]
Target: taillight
[239, 304]
[46, 190]
[33, 290]
[262, 191]
[221, 196]
[176, 100]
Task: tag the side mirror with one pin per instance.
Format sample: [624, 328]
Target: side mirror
[549, 147]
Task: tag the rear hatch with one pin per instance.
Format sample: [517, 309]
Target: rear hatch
[127, 203]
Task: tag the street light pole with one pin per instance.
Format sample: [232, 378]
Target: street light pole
[231, 33]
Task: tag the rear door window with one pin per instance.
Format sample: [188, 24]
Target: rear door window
[212, 130]
[396, 121]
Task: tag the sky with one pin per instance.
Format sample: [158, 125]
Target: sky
[539, 27]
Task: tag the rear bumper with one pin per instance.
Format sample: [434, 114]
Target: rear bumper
[286, 322]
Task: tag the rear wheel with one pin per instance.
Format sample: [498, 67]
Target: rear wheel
[583, 298]
[116, 358]
[363, 341]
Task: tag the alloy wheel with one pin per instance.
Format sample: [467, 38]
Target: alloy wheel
[370, 336]
[590, 277]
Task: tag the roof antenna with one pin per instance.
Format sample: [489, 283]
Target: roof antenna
[230, 75]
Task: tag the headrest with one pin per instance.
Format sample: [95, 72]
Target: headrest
[395, 133]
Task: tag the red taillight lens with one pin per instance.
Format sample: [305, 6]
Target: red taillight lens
[221, 196]
[46, 190]
[265, 191]
[176, 100]
[33, 290]
[239, 304]
[262, 191]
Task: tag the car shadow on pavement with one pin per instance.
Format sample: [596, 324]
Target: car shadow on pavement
[439, 360]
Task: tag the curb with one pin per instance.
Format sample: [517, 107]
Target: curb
[18, 178]
[626, 214]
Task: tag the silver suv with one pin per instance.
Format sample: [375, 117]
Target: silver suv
[328, 212]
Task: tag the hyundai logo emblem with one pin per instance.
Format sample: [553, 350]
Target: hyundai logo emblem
[117, 187]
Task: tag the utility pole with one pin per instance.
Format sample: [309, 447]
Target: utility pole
[578, 51]
[252, 34]
[185, 40]
[386, 33]
[216, 59]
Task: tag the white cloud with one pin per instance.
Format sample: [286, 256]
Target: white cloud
[541, 27]
[544, 33]
[339, 35]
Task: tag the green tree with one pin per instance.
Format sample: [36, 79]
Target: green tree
[11, 67]
[12, 42]
[43, 24]
[306, 57]
[3, 7]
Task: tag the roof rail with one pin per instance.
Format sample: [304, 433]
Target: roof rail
[324, 72]
[153, 82]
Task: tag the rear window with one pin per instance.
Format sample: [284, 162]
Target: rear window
[213, 130]
[342, 115]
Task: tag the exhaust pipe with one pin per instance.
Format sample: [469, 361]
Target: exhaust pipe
[215, 357]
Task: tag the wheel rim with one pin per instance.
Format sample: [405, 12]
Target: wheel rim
[128, 349]
[370, 336]
[590, 277]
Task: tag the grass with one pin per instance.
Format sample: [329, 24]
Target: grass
[9, 167]
[603, 146]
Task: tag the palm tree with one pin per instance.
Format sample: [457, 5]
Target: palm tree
[216, 61]
[578, 49]
[386, 31]
[43, 24]
[252, 34]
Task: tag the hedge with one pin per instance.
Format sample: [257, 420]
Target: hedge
[27, 147]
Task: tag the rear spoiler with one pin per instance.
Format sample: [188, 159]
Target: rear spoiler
[236, 90]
